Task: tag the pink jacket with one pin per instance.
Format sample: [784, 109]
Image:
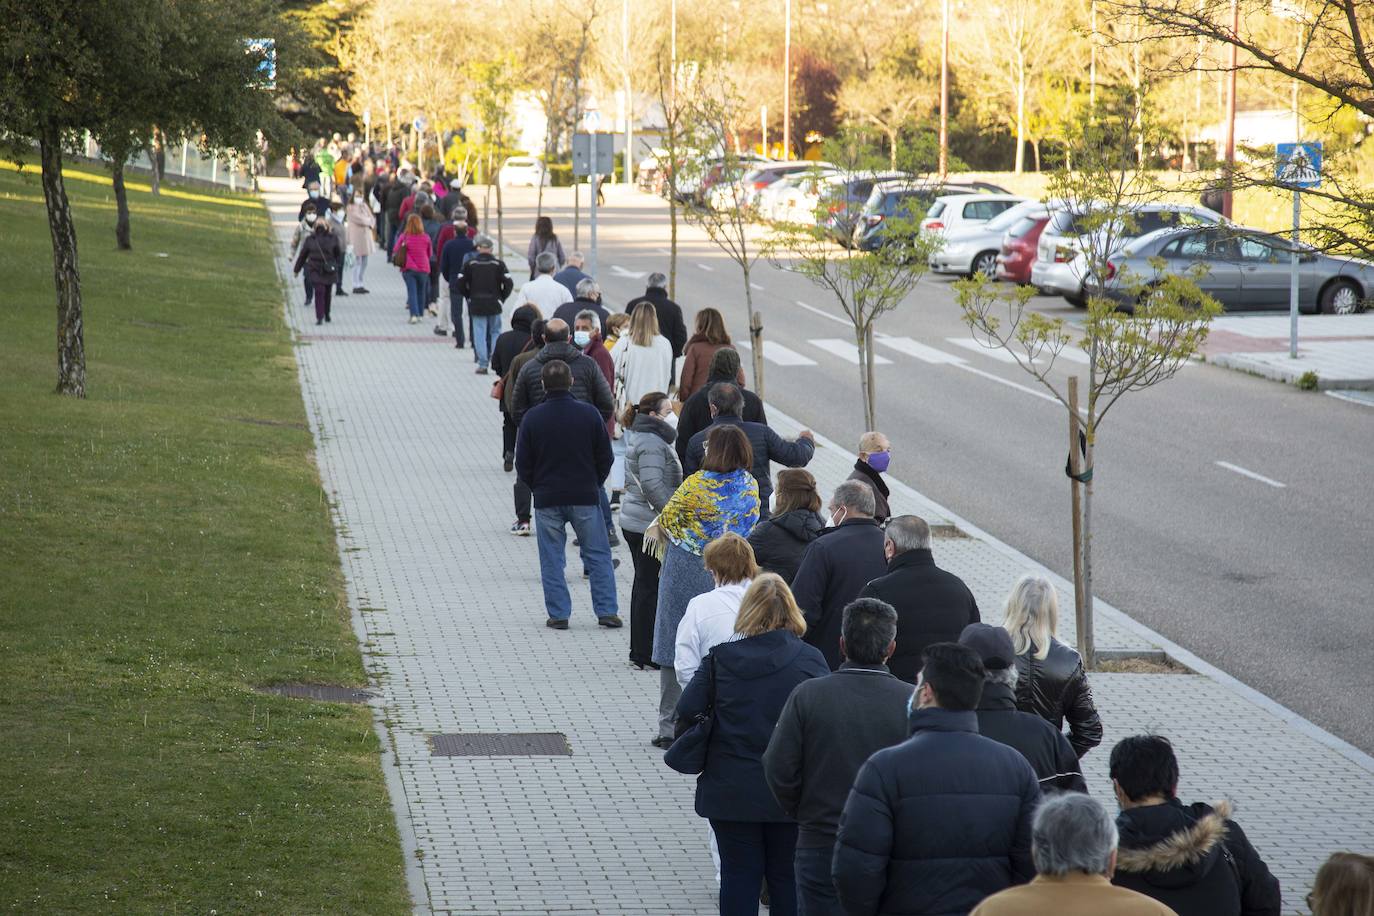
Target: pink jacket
[417, 251]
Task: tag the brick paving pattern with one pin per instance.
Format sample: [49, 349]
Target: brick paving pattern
[450, 611]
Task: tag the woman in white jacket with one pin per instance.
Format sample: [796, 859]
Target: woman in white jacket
[643, 358]
[710, 618]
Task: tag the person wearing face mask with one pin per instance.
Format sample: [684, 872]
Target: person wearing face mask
[933, 605]
[340, 233]
[875, 454]
[837, 566]
[314, 200]
[306, 229]
[319, 258]
[652, 473]
[362, 227]
[942, 820]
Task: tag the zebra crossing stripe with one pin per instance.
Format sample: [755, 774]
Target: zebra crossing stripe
[846, 350]
[775, 352]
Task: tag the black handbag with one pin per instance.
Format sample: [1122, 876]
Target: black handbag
[688, 751]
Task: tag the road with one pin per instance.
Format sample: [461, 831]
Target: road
[1232, 514]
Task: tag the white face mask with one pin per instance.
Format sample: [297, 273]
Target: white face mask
[670, 418]
[582, 338]
[310, 216]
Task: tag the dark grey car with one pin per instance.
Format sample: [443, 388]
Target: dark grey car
[1242, 269]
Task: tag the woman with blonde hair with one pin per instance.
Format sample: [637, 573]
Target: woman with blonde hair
[743, 683]
[1051, 681]
[643, 358]
[1344, 886]
[708, 337]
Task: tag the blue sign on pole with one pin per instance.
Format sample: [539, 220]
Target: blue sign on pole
[1299, 165]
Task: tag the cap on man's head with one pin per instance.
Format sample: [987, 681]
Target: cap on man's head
[993, 644]
[456, 185]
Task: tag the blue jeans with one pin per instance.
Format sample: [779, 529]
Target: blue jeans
[815, 890]
[417, 291]
[606, 510]
[485, 330]
[750, 852]
[550, 529]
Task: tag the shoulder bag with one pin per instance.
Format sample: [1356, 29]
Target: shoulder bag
[688, 752]
[398, 257]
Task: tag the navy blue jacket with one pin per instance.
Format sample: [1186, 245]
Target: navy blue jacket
[834, 570]
[937, 823]
[767, 445]
[452, 258]
[754, 678]
[562, 452]
[570, 276]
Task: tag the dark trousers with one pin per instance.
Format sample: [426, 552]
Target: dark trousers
[433, 282]
[815, 890]
[309, 292]
[324, 292]
[455, 306]
[749, 852]
[643, 599]
[508, 431]
[523, 498]
[339, 269]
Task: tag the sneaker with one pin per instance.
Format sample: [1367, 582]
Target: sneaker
[327, 319]
[413, 320]
[610, 622]
[459, 345]
[339, 292]
[319, 321]
[441, 332]
[481, 370]
[615, 564]
[553, 623]
[661, 742]
[520, 529]
[432, 311]
[359, 289]
[615, 501]
[508, 462]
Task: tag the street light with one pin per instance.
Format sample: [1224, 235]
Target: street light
[944, 91]
[787, 80]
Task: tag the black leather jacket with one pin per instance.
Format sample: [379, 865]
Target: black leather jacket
[1056, 688]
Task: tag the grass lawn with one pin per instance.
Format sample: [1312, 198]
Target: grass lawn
[165, 546]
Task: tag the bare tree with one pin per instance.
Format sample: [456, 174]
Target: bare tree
[890, 101]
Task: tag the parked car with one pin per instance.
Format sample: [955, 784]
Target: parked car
[758, 179]
[901, 199]
[956, 211]
[1061, 266]
[720, 186]
[845, 200]
[524, 171]
[1241, 269]
[794, 198]
[973, 247]
[1019, 244]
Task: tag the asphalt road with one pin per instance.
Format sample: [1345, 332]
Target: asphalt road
[1273, 584]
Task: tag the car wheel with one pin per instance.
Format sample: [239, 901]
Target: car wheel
[985, 263]
[1079, 300]
[1341, 297]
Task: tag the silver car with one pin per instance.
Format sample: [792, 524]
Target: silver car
[973, 249]
[1241, 269]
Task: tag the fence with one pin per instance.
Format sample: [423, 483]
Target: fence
[188, 162]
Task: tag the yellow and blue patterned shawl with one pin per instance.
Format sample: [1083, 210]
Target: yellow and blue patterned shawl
[709, 504]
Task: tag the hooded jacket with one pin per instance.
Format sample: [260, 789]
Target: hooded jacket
[1195, 860]
[753, 679]
[651, 472]
[1044, 746]
[588, 383]
[1056, 688]
[833, 571]
[513, 341]
[933, 605]
[780, 541]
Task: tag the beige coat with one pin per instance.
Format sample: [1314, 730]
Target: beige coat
[1072, 895]
[361, 221]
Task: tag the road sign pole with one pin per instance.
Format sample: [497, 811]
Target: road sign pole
[1293, 280]
[591, 260]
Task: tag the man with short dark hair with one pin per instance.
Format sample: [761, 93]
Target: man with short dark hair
[724, 368]
[1073, 842]
[933, 605]
[727, 404]
[837, 565]
[943, 819]
[827, 729]
[1044, 746]
[563, 453]
[1192, 858]
[670, 323]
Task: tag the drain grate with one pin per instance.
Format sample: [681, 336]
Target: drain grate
[328, 692]
[500, 744]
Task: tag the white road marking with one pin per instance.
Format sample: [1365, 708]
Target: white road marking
[705, 267]
[1251, 474]
[775, 352]
[1010, 384]
[824, 314]
[632, 274]
[754, 285]
[920, 351]
[1073, 355]
[846, 350]
[1363, 398]
[663, 251]
[997, 353]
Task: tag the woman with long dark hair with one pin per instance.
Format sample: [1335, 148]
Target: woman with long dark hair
[544, 239]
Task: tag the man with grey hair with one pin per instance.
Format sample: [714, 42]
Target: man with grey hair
[1044, 746]
[588, 298]
[670, 322]
[544, 292]
[1073, 843]
[837, 566]
[828, 728]
[572, 273]
[933, 605]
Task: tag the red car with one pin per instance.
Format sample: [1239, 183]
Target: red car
[1018, 249]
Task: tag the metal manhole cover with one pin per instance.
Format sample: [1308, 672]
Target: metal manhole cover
[331, 693]
[499, 744]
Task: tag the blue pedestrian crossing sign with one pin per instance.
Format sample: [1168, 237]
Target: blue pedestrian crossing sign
[1299, 165]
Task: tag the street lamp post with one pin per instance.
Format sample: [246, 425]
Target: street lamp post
[944, 92]
[629, 99]
[787, 80]
[1231, 113]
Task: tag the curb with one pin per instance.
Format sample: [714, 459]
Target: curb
[1172, 649]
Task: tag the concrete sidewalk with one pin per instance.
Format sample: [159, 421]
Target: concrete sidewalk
[449, 609]
[1337, 349]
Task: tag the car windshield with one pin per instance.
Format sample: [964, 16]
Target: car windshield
[1023, 225]
[1063, 222]
[1008, 218]
[936, 208]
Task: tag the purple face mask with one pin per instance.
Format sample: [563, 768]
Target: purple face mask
[879, 461]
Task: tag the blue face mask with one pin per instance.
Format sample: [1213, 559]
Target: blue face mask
[879, 461]
[582, 338]
[314, 194]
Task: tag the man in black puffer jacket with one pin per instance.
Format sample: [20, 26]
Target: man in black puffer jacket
[943, 819]
[588, 382]
[1191, 858]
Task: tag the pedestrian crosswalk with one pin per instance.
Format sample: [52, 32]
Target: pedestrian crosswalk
[961, 350]
[775, 352]
[845, 350]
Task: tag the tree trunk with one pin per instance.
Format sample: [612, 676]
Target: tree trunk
[71, 345]
[872, 411]
[1086, 645]
[1020, 121]
[861, 343]
[755, 335]
[500, 224]
[121, 208]
[1035, 149]
[892, 150]
[672, 239]
[158, 160]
